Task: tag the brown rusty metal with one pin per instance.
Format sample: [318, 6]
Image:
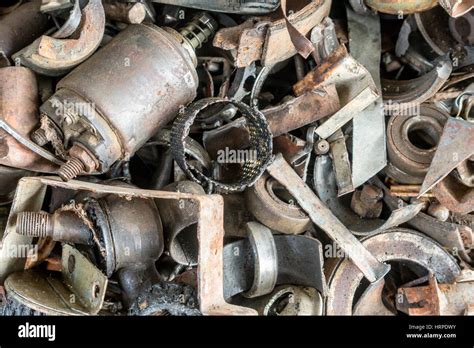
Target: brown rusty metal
[393, 245]
[19, 108]
[278, 44]
[295, 113]
[367, 203]
[455, 237]
[54, 57]
[302, 110]
[21, 27]
[44, 248]
[268, 39]
[436, 299]
[245, 41]
[99, 126]
[408, 191]
[130, 13]
[403, 7]
[455, 195]
[457, 8]
[180, 223]
[274, 212]
[321, 216]
[31, 193]
[412, 140]
[317, 76]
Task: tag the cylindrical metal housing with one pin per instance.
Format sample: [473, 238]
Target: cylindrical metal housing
[127, 91]
[21, 27]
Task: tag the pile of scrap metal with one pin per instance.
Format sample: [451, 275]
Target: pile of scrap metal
[241, 157]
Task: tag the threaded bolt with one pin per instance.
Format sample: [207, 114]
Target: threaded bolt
[34, 224]
[71, 169]
[39, 137]
[63, 226]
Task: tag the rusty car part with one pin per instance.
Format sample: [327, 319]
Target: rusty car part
[408, 191]
[302, 110]
[31, 193]
[455, 237]
[341, 162]
[270, 41]
[130, 13]
[232, 6]
[456, 8]
[180, 223]
[267, 203]
[251, 264]
[455, 145]
[265, 255]
[400, 95]
[351, 78]
[462, 29]
[71, 24]
[463, 105]
[260, 142]
[20, 28]
[286, 300]
[367, 203]
[436, 299]
[53, 56]
[401, 7]
[457, 194]
[412, 140]
[109, 223]
[324, 184]
[98, 132]
[19, 110]
[322, 217]
[47, 293]
[62, 225]
[324, 38]
[371, 301]
[346, 277]
[290, 115]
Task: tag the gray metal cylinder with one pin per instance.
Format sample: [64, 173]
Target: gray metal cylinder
[127, 91]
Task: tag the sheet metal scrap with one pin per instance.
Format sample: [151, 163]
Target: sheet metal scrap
[238, 157]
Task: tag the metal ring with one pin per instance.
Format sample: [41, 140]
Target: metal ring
[260, 142]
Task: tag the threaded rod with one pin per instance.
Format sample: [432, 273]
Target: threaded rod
[34, 224]
[71, 169]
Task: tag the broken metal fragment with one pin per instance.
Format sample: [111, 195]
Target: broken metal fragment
[322, 217]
